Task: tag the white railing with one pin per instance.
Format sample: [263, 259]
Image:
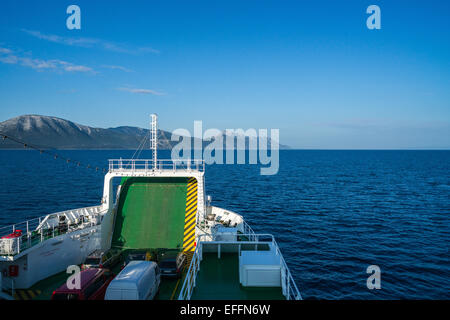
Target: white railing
[249, 231]
[290, 289]
[24, 235]
[146, 166]
[191, 276]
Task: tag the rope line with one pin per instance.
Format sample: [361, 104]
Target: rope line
[142, 145]
[137, 152]
[42, 150]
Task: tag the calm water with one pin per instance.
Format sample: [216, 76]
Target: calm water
[333, 212]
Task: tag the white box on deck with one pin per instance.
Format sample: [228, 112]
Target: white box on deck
[259, 269]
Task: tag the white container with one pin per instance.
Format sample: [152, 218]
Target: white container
[259, 269]
[139, 280]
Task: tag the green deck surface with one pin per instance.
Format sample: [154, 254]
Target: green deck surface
[151, 213]
[50, 284]
[218, 279]
[169, 289]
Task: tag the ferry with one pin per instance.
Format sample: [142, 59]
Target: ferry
[155, 206]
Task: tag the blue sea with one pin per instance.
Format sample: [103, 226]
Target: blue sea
[333, 213]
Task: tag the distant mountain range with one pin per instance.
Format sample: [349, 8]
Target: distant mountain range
[51, 132]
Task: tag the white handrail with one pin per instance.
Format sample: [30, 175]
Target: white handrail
[191, 276]
[148, 165]
[248, 230]
[291, 281]
[37, 230]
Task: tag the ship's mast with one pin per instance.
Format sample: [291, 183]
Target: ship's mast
[154, 138]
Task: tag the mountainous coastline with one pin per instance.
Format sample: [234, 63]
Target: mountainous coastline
[52, 132]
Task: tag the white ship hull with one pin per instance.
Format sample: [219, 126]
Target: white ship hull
[53, 256]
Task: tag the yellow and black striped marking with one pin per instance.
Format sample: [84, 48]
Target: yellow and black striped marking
[190, 218]
[22, 294]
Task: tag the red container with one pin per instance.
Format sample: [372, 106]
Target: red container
[13, 271]
[15, 234]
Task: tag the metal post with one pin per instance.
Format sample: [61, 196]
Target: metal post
[154, 138]
[195, 274]
[189, 283]
[288, 288]
[28, 236]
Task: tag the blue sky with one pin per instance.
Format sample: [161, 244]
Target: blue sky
[310, 68]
